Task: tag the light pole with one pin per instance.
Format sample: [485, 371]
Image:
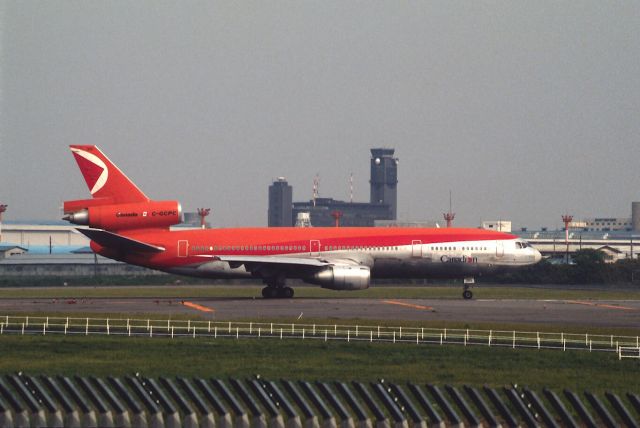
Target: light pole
[567, 219]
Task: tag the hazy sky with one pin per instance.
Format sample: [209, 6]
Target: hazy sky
[524, 110]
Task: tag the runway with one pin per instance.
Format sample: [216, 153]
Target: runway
[566, 312]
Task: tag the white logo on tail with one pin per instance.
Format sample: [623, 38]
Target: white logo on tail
[102, 180]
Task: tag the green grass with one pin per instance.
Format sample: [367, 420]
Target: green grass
[313, 359]
[375, 292]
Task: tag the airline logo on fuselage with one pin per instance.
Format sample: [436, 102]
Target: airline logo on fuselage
[463, 259]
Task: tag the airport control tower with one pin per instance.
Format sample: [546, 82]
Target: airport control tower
[384, 179]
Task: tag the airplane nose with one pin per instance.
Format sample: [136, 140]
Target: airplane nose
[537, 256]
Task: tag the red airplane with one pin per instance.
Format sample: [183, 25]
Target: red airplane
[124, 224]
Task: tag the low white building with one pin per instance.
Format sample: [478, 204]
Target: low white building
[497, 225]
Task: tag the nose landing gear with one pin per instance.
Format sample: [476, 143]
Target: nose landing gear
[468, 283]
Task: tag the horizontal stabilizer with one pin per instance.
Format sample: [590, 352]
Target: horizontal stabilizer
[115, 241]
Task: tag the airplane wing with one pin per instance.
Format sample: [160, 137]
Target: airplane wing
[113, 240]
[254, 263]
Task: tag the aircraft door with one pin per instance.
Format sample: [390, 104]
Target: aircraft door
[499, 249]
[183, 248]
[416, 248]
[314, 248]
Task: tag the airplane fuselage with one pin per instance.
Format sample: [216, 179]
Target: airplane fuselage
[388, 252]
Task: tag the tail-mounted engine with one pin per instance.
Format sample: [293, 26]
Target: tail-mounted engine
[342, 277]
[141, 215]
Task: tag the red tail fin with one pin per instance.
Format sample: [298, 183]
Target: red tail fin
[104, 179]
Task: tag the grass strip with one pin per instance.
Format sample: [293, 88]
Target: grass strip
[318, 360]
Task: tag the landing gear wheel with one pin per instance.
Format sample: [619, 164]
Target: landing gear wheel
[467, 294]
[285, 292]
[269, 292]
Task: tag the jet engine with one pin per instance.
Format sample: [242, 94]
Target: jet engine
[143, 215]
[342, 277]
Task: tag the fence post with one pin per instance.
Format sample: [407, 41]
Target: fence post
[611, 341]
[1, 328]
[148, 323]
[44, 329]
[86, 331]
[590, 344]
[280, 333]
[250, 328]
[400, 332]
[293, 330]
[335, 329]
[209, 327]
[348, 335]
[325, 335]
[538, 337]
[371, 339]
[356, 331]
[271, 329]
[586, 339]
[490, 331]
[314, 329]
[440, 338]
[172, 332]
[23, 329]
[168, 325]
[108, 332]
[150, 331]
[417, 338]
[378, 332]
[27, 321]
[229, 327]
[564, 344]
[445, 334]
[237, 332]
[47, 321]
[259, 331]
[302, 333]
[422, 332]
[215, 332]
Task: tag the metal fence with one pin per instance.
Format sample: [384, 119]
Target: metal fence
[140, 401]
[335, 332]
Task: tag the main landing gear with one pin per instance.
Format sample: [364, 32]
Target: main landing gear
[276, 288]
[468, 283]
[270, 292]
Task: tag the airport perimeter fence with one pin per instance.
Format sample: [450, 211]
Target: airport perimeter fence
[139, 401]
[624, 346]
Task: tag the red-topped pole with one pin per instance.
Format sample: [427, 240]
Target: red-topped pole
[203, 212]
[336, 216]
[567, 219]
[449, 217]
[3, 208]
